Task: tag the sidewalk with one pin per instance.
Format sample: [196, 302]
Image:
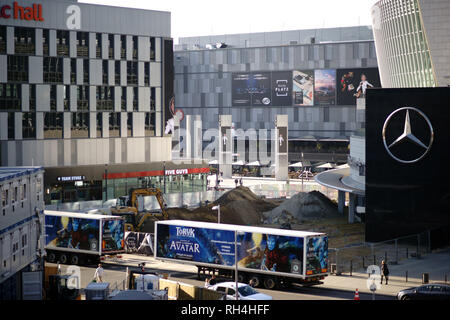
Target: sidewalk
[436, 264]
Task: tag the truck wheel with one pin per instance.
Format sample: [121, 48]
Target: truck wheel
[51, 257]
[75, 259]
[63, 258]
[270, 283]
[256, 280]
[242, 278]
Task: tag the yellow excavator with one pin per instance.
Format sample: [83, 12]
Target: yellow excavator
[129, 208]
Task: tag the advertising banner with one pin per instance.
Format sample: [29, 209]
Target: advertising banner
[255, 250]
[317, 255]
[325, 87]
[113, 235]
[303, 88]
[240, 89]
[282, 88]
[72, 233]
[259, 86]
[139, 242]
[353, 83]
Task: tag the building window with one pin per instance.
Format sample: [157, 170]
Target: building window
[135, 99]
[129, 124]
[86, 71]
[24, 40]
[2, 39]
[29, 125]
[123, 99]
[132, 73]
[99, 125]
[117, 72]
[53, 98]
[53, 125]
[62, 43]
[53, 70]
[32, 103]
[123, 50]
[152, 49]
[114, 124]
[83, 98]
[105, 98]
[111, 46]
[80, 125]
[45, 42]
[66, 98]
[152, 99]
[73, 71]
[105, 72]
[149, 124]
[11, 126]
[98, 45]
[18, 68]
[135, 47]
[24, 192]
[82, 44]
[146, 73]
[10, 96]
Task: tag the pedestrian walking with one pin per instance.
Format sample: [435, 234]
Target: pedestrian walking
[384, 271]
[98, 275]
[236, 182]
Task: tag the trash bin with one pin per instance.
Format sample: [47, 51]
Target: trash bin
[425, 278]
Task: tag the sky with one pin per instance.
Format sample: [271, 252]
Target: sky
[214, 17]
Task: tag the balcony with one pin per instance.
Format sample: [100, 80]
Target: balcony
[82, 51]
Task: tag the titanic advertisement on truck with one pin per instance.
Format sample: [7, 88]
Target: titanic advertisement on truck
[256, 251]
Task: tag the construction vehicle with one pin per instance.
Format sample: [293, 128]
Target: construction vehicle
[131, 208]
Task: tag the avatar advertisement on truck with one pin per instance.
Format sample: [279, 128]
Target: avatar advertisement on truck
[83, 234]
[256, 250]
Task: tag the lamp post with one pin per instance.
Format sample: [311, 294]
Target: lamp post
[164, 165]
[218, 212]
[106, 182]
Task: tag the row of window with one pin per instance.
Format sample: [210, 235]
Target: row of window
[25, 43]
[80, 125]
[11, 97]
[18, 71]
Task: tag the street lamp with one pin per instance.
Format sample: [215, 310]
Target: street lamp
[164, 164]
[236, 262]
[218, 212]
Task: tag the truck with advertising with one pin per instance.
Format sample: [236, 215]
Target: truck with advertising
[80, 238]
[267, 257]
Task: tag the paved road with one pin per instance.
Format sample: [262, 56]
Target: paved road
[115, 275]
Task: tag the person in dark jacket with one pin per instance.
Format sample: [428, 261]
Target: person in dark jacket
[384, 271]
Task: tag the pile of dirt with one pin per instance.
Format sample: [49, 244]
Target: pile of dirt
[302, 207]
[238, 206]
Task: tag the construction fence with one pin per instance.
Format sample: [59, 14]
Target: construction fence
[356, 258]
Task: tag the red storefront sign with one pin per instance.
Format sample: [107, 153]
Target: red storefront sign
[22, 13]
[155, 173]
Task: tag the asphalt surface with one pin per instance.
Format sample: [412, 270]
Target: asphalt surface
[115, 275]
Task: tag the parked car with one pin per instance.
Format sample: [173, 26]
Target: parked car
[432, 291]
[246, 292]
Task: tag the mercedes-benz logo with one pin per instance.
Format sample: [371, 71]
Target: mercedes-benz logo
[408, 135]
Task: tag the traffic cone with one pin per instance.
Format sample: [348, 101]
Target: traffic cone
[356, 295]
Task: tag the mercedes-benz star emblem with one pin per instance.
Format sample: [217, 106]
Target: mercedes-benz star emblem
[408, 135]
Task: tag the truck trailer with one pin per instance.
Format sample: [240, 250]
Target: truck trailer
[268, 257]
[80, 238]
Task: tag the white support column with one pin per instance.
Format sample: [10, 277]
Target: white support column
[225, 146]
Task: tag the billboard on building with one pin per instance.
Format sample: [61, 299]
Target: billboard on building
[282, 88]
[325, 87]
[352, 84]
[262, 89]
[303, 87]
[211, 246]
